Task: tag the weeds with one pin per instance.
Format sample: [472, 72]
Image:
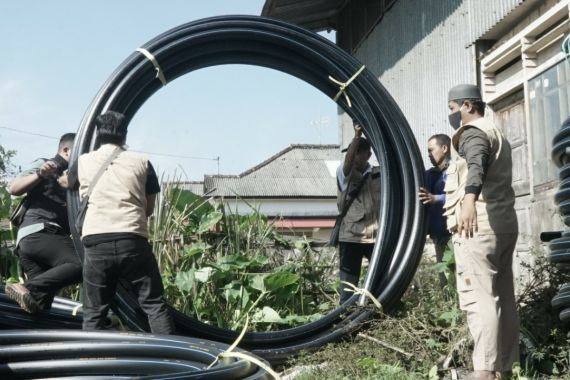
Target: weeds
[219, 266]
[427, 336]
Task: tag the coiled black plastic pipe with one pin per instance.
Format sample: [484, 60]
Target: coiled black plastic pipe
[275, 44]
[66, 353]
[560, 245]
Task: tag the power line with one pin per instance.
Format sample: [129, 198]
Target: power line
[29, 133]
[139, 151]
[177, 156]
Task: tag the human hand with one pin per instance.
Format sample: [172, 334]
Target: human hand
[47, 169]
[63, 180]
[468, 217]
[426, 197]
[357, 129]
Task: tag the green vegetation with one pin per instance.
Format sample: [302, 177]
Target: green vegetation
[427, 336]
[219, 266]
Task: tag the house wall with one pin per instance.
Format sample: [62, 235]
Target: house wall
[290, 208]
[284, 207]
[526, 84]
[420, 49]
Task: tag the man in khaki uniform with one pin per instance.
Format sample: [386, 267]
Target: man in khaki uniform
[480, 212]
[357, 179]
[115, 230]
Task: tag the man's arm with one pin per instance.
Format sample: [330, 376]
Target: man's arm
[476, 149]
[150, 201]
[152, 189]
[31, 178]
[352, 150]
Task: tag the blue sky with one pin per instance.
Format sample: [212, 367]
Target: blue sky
[57, 54]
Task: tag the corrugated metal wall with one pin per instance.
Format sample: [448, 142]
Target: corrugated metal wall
[421, 49]
[484, 14]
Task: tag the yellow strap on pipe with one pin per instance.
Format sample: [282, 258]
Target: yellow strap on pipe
[253, 360]
[76, 309]
[344, 85]
[152, 59]
[362, 291]
[234, 344]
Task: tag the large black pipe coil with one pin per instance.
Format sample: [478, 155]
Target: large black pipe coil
[277, 45]
[89, 354]
[559, 245]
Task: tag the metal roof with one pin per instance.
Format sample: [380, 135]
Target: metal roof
[483, 15]
[299, 171]
[197, 187]
[316, 15]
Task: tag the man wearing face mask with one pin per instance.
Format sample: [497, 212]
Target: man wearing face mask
[439, 150]
[480, 211]
[358, 192]
[43, 244]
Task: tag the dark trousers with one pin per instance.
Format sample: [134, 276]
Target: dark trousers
[350, 264]
[440, 244]
[130, 259]
[50, 263]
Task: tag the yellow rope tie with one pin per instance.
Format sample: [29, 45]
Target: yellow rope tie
[234, 344]
[344, 85]
[152, 59]
[363, 291]
[253, 360]
[230, 354]
[76, 309]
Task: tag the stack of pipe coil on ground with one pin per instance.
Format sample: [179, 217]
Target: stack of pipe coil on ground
[311, 58]
[64, 314]
[560, 245]
[61, 354]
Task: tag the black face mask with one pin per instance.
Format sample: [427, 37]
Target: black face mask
[455, 119]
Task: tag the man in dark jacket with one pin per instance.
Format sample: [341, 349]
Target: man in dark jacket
[439, 150]
[43, 244]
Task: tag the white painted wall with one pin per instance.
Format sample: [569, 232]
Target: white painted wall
[285, 207]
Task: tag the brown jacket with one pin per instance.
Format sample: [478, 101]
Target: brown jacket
[118, 202]
[495, 204]
[360, 224]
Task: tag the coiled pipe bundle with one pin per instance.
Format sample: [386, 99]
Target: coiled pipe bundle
[293, 50]
[560, 245]
[102, 355]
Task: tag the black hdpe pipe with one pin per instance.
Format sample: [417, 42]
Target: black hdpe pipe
[29, 353]
[281, 46]
[559, 241]
[64, 313]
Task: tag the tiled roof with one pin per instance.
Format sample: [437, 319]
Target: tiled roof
[197, 187]
[299, 171]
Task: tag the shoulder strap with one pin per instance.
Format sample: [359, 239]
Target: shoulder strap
[348, 203]
[102, 169]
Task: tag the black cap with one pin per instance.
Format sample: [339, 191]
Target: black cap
[464, 91]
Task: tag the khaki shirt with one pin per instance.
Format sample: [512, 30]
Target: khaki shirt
[360, 224]
[495, 205]
[118, 203]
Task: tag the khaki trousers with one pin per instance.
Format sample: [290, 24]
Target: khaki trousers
[486, 293]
